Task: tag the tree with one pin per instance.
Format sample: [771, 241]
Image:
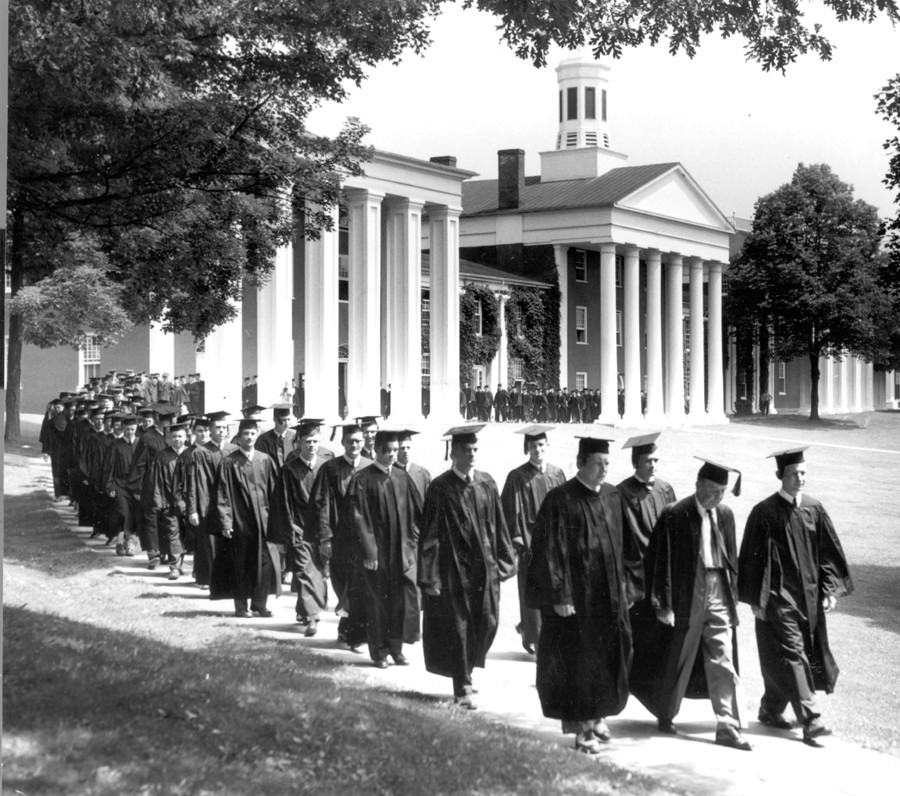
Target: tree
[810, 268]
[168, 137]
[775, 33]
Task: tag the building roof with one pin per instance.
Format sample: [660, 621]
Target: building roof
[480, 197]
[476, 272]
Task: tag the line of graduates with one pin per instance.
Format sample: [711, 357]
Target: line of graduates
[622, 589]
[638, 592]
[524, 403]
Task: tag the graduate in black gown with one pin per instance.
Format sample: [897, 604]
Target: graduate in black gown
[523, 493]
[292, 522]
[386, 516]
[584, 574]
[792, 569]
[465, 551]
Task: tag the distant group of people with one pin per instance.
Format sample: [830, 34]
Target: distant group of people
[622, 589]
[524, 403]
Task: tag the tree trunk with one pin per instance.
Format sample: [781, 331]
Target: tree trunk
[764, 359]
[814, 385]
[14, 349]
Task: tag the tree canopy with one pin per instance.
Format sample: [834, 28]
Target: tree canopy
[811, 269]
[775, 33]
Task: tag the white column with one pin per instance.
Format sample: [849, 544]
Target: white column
[444, 293]
[161, 352]
[674, 342]
[320, 315]
[631, 332]
[500, 365]
[845, 405]
[655, 410]
[561, 257]
[609, 366]
[826, 384]
[364, 308]
[403, 277]
[223, 365]
[274, 335]
[715, 403]
[698, 359]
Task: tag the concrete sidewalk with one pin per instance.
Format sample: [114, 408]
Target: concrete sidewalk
[780, 762]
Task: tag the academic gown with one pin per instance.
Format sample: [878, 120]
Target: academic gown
[333, 522]
[523, 493]
[386, 518]
[643, 505]
[465, 551]
[790, 559]
[292, 525]
[267, 443]
[583, 554]
[677, 583]
[243, 493]
[421, 479]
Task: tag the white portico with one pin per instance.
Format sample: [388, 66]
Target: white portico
[627, 241]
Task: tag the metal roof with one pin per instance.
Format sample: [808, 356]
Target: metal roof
[469, 270]
[480, 197]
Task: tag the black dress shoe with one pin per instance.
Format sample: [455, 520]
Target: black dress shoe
[587, 743]
[666, 727]
[311, 628]
[814, 730]
[380, 663]
[731, 736]
[400, 659]
[601, 731]
[776, 720]
[265, 613]
[243, 614]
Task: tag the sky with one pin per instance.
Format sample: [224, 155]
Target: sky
[739, 131]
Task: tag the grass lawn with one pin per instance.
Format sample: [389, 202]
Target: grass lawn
[113, 688]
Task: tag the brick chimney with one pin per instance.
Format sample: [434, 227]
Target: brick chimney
[444, 160]
[511, 178]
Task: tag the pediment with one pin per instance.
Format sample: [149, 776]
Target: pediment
[676, 195]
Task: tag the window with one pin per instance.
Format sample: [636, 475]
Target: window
[90, 358]
[580, 265]
[590, 103]
[560, 110]
[782, 378]
[478, 317]
[426, 369]
[603, 105]
[619, 328]
[8, 283]
[572, 102]
[343, 277]
[480, 373]
[581, 325]
[620, 270]
[516, 369]
[581, 380]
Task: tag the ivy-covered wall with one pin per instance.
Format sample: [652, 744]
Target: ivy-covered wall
[475, 349]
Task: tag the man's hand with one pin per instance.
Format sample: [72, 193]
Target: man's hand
[829, 601]
[666, 617]
[194, 518]
[227, 533]
[112, 493]
[758, 612]
[432, 592]
[564, 610]
[370, 565]
[325, 551]
[45, 457]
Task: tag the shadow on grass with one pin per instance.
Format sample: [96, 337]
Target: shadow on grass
[876, 598]
[832, 423]
[109, 712]
[60, 552]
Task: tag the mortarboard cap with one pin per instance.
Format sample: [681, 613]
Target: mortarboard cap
[215, 417]
[534, 433]
[180, 424]
[247, 422]
[718, 473]
[252, 412]
[307, 425]
[789, 456]
[201, 422]
[640, 445]
[281, 410]
[367, 420]
[130, 420]
[349, 427]
[465, 434]
[588, 445]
